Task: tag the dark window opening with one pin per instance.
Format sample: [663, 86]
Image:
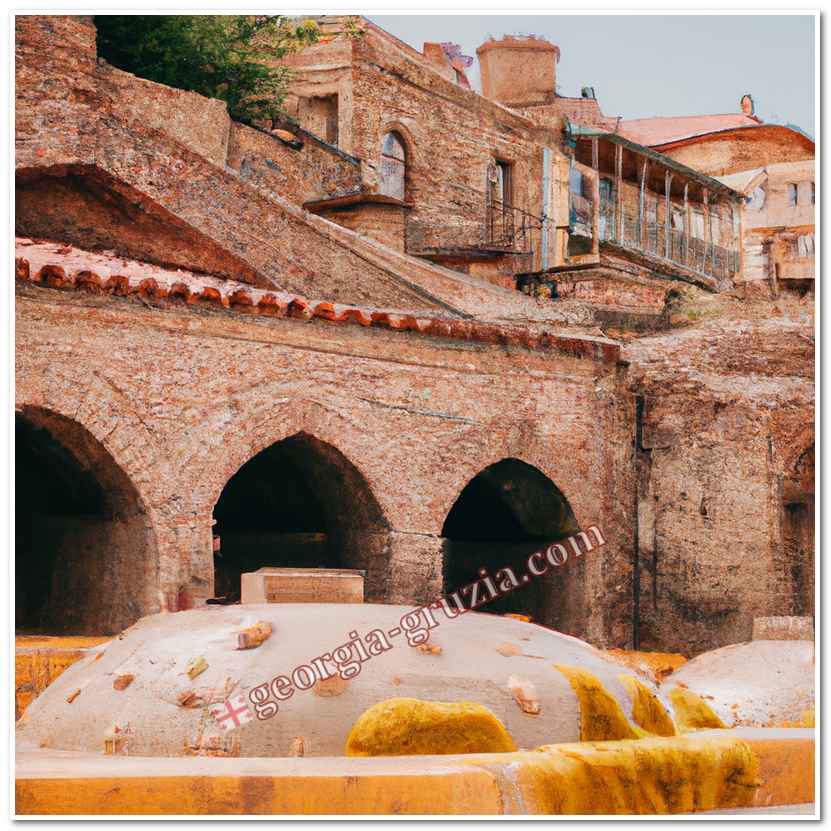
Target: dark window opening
[504, 183]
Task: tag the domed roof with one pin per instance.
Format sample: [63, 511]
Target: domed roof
[506, 664]
[760, 684]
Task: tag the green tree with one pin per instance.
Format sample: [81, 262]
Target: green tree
[230, 57]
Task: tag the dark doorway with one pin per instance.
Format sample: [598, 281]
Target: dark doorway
[503, 515]
[298, 503]
[84, 561]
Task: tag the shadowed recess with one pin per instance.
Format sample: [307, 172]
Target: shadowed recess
[505, 513]
[299, 503]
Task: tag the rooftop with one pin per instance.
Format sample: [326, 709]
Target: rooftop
[654, 132]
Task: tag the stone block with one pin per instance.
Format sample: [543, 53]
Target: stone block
[783, 628]
[303, 585]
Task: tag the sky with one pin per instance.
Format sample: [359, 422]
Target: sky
[655, 65]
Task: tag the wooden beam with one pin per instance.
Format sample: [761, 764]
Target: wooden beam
[619, 192]
[596, 213]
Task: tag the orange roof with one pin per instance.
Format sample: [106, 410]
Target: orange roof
[653, 132]
[60, 266]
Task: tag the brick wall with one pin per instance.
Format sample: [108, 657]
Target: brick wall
[181, 400]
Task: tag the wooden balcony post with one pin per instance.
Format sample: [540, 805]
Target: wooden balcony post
[687, 223]
[596, 213]
[738, 239]
[642, 231]
[619, 192]
[708, 236]
[667, 215]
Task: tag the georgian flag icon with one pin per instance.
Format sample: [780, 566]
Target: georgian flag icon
[232, 713]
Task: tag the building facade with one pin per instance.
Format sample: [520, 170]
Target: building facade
[376, 336]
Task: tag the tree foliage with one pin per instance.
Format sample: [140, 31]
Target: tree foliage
[230, 57]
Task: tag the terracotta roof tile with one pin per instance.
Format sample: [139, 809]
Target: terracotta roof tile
[653, 132]
[64, 267]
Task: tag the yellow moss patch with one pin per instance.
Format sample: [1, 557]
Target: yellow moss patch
[692, 712]
[647, 710]
[39, 660]
[601, 717]
[651, 776]
[657, 664]
[407, 726]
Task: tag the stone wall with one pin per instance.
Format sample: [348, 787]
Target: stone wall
[715, 444]
[181, 399]
[313, 171]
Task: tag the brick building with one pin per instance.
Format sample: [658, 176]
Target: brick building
[376, 338]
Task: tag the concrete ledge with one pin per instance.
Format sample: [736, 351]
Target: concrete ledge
[786, 762]
[711, 770]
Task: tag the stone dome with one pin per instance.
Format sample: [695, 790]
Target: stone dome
[759, 684]
[475, 657]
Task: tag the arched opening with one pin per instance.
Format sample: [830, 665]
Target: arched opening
[299, 503]
[393, 180]
[798, 533]
[84, 552]
[503, 515]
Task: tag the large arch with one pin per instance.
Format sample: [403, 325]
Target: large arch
[505, 513]
[299, 502]
[85, 552]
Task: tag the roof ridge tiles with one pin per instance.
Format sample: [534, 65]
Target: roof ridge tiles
[248, 300]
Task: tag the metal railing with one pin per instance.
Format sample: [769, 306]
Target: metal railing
[500, 227]
[509, 227]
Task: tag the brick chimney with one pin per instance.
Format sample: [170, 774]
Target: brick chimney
[519, 71]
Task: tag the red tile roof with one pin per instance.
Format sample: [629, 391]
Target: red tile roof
[55, 265]
[653, 132]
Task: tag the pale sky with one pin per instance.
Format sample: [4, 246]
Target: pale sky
[655, 65]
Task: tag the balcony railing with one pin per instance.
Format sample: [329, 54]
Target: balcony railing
[509, 227]
[500, 228]
[650, 238]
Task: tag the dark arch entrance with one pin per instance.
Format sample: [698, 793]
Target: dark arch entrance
[503, 515]
[84, 552]
[798, 534]
[299, 503]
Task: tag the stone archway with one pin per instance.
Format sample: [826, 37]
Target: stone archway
[505, 513]
[85, 552]
[299, 502]
[798, 531]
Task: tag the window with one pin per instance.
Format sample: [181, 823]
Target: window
[504, 183]
[756, 200]
[677, 219]
[393, 166]
[793, 192]
[813, 193]
[805, 245]
[606, 190]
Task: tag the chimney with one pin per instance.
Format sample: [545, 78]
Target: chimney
[519, 71]
[747, 105]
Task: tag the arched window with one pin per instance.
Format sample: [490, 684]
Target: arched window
[393, 166]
